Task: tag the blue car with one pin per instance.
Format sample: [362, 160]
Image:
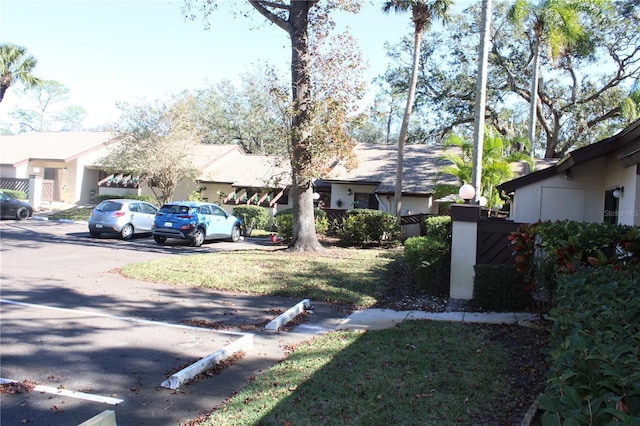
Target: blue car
[195, 221]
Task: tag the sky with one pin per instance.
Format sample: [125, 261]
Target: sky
[126, 50]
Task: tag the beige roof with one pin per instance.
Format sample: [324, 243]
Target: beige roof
[376, 164]
[249, 170]
[57, 146]
[207, 155]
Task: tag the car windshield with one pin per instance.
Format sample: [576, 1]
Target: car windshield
[173, 209]
[109, 206]
[6, 197]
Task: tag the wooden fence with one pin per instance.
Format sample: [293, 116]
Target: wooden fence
[493, 247]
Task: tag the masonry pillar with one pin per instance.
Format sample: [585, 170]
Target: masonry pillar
[35, 189]
[464, 241]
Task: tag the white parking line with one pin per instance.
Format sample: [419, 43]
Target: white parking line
[116, 317]
[69, 393]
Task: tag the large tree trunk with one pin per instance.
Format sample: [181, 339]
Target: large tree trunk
[304, 231]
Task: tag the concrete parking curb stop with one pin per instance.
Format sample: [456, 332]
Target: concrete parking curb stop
[290, 314]
[187, 374]
[106, 418]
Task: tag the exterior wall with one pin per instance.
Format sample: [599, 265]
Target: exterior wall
[19, 172]
[89, 183]
[418, 205]
[340, 197]
[410, 205]
[581, 197]
[617, 176]
[120, 192]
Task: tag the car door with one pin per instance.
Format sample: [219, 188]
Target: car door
[204, 217]
[143, 217]
[5, 205]
[220, 223]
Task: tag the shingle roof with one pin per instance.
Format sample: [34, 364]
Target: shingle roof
[249, 171]
[57, 146]
[376, 164]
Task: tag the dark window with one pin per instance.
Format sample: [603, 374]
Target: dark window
[365, 201]
[610, 208]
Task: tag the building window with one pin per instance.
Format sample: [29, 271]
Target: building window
[610, 208]
[365, 201]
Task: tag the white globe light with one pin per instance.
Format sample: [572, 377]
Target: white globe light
[316, 196]
[467, 192]
[36, 170]
[483, 201]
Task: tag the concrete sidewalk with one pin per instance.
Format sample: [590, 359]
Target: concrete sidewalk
[378, 319]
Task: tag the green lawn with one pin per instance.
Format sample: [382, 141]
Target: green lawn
[346, 276]
[421, 373]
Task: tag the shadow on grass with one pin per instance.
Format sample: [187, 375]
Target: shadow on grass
[421, 373]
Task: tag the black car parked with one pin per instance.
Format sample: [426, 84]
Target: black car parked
[13, 208]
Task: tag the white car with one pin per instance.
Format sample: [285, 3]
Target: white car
[121, 216]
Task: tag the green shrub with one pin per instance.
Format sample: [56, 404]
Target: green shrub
[595, 372]
[500, 288]
[284, 223]
[438, 227]
[284, 226]
[429, 260]
[195, 196]
[19, 195]
[363, 226]
[545, 250]
[252, 216]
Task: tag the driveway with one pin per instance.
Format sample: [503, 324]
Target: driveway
[94, 341]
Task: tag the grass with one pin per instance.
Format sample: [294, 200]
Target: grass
[74, 213]
[344, 276]
[421, 373]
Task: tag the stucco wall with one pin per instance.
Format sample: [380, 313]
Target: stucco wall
[580, 197]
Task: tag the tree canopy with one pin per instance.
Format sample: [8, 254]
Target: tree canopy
[49, 109]
[156, 141]
[583, 97]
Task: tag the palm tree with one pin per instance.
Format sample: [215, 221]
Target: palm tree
[422, 13]
[559, 25]
[15, 66]
[481, 96]
[497, 156]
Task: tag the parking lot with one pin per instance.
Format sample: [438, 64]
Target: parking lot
[93, 340]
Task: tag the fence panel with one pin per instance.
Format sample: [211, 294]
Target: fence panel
[15, 184]
[47, 190]
[493, 243]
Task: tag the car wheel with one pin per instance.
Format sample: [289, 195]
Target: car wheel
[197, 238]
[159, 239]
[22, 213]
[95, 234]
[127, 232]
[235, 234]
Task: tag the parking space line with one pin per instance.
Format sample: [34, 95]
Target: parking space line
[69, 393]
[123, 318]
